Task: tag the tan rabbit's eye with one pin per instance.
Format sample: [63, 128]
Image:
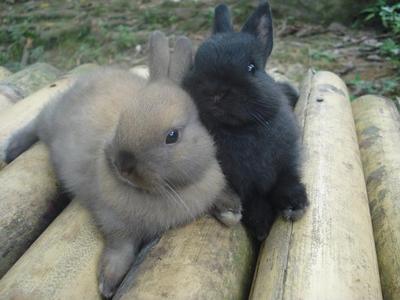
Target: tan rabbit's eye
[172, 136]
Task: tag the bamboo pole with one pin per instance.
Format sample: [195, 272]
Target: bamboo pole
[28, 203]
[19, 85]
[378, 128]
[60, 264]
[330, 252]
[203, 260]
[29, 198]
[4, 72]
[141, 70]
[32, 78]
[23, 112]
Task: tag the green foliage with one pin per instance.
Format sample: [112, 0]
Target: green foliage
[389, 16]
[322, 55]
[384, 86]
[125, 37]
[390, 48]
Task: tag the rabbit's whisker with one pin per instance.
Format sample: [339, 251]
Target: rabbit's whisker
[177, 197]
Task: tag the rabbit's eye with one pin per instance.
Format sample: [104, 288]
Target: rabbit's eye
[172, 136]
[251, 68]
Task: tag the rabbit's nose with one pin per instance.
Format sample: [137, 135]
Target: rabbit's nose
[126, 162]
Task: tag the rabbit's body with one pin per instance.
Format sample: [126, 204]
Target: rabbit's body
[77, 153]
[251, 119]
[135, 154]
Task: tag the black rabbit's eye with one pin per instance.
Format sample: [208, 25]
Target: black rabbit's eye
[251, 68]
[172, 136]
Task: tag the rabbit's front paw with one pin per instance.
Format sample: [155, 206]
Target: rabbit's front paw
[228, 209]
[114, 264]
[296, 209]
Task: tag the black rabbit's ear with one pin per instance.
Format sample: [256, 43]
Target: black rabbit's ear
[260, 25]
[222, 19]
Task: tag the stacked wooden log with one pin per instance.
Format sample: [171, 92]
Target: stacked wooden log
[346, 246]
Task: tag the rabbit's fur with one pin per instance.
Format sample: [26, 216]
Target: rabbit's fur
[107, 138]
[250, 117]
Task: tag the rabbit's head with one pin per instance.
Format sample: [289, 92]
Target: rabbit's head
[228, 80]
[159, 141]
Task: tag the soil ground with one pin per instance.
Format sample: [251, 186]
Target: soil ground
[68, 33]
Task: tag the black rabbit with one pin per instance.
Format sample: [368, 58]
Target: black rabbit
[251, 118]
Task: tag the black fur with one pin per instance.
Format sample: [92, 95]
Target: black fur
[250, 117]
[291, 93]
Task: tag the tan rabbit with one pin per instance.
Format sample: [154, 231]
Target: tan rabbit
[135, 154]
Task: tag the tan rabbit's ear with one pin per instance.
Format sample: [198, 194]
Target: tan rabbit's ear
[158, 55]
[181, 59]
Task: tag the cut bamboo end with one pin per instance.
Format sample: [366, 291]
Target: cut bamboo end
[141, 71]
[5, 103]
[330, 252]
[23, 112]
[28, 203]
[14, 87]
[378, 128]
[60, 264]
[31, 79]
[4, 72]
[203, 260]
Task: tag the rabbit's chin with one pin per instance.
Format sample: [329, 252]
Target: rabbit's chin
[138, 185]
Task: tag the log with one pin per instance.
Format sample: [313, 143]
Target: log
[31, 79]
[29, 198]
[141, 70]
[7, 97]
[21, 84]
[208, 260]
[330, 252]
[203, 260]
[4, 72]
[23, 112]
[28, 203]
[378, 129]
[60, 264]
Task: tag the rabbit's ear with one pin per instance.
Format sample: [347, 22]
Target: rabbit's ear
[222, 19]
[158, 56]
[260, 25]
[181, 59]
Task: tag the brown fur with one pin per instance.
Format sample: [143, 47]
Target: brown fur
[107, 137]
[111, 118]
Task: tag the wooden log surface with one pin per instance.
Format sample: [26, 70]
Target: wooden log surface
[141, 70]
[31, 78]
[29, 198]
[60, 264]
[330, 252]
[4, 72]
[203, 260]
[378, 128]
[28, 203]
[23, 112]
[212, 260]
[15, 87]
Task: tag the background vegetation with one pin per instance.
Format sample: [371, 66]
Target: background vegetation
[365, 52]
